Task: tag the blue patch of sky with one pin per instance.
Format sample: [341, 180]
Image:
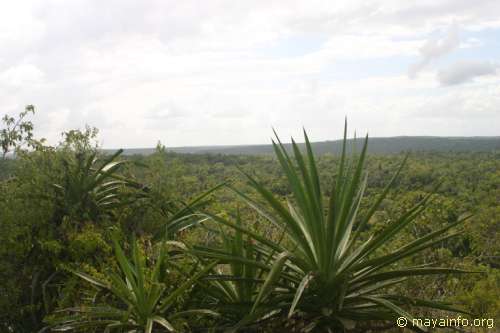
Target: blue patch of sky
[356, 69]
[365, 68]
[342, 69]
[293, 46]
[487, 50]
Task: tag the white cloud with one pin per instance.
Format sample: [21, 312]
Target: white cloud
[24, 75]
[460, 111]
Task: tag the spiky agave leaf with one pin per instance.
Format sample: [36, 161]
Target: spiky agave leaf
[91, 186]
[234, 287]
[332, 275]
[143, 299]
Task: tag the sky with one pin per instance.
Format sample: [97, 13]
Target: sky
[190, 73]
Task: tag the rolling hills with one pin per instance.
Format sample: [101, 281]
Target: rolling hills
[388, 145]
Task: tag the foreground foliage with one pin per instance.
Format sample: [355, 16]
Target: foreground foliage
[143, 299]
[326, 271]
[312, 248]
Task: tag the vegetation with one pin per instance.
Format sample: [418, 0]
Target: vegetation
[393, 145]
[17, 132]
[91, 242]
[141, 292]
[324, 273]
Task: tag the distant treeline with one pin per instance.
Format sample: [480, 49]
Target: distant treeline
[392, 145]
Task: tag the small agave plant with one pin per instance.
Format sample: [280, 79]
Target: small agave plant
[232, 288]
[325, 270]
[91, 186]
[144, 303]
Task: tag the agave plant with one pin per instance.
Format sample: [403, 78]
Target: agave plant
[328, 271]
[143, 302]
[91, 186]
[233, 286]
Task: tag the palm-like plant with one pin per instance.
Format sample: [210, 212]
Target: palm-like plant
[332, 275]
[91, 186]
[233, 287]
[144, 303]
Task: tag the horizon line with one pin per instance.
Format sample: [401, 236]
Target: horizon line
[329, 140]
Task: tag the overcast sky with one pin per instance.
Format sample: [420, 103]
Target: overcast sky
[225, 72]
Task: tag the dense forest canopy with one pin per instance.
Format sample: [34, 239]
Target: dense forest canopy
[393, 145]
[79, 227]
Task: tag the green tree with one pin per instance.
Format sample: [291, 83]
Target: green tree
[17, 131]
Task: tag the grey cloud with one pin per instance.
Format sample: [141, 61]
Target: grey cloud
[96, 20]
[461, 72]
[168, 114]
[167, 110]
[434, 49]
